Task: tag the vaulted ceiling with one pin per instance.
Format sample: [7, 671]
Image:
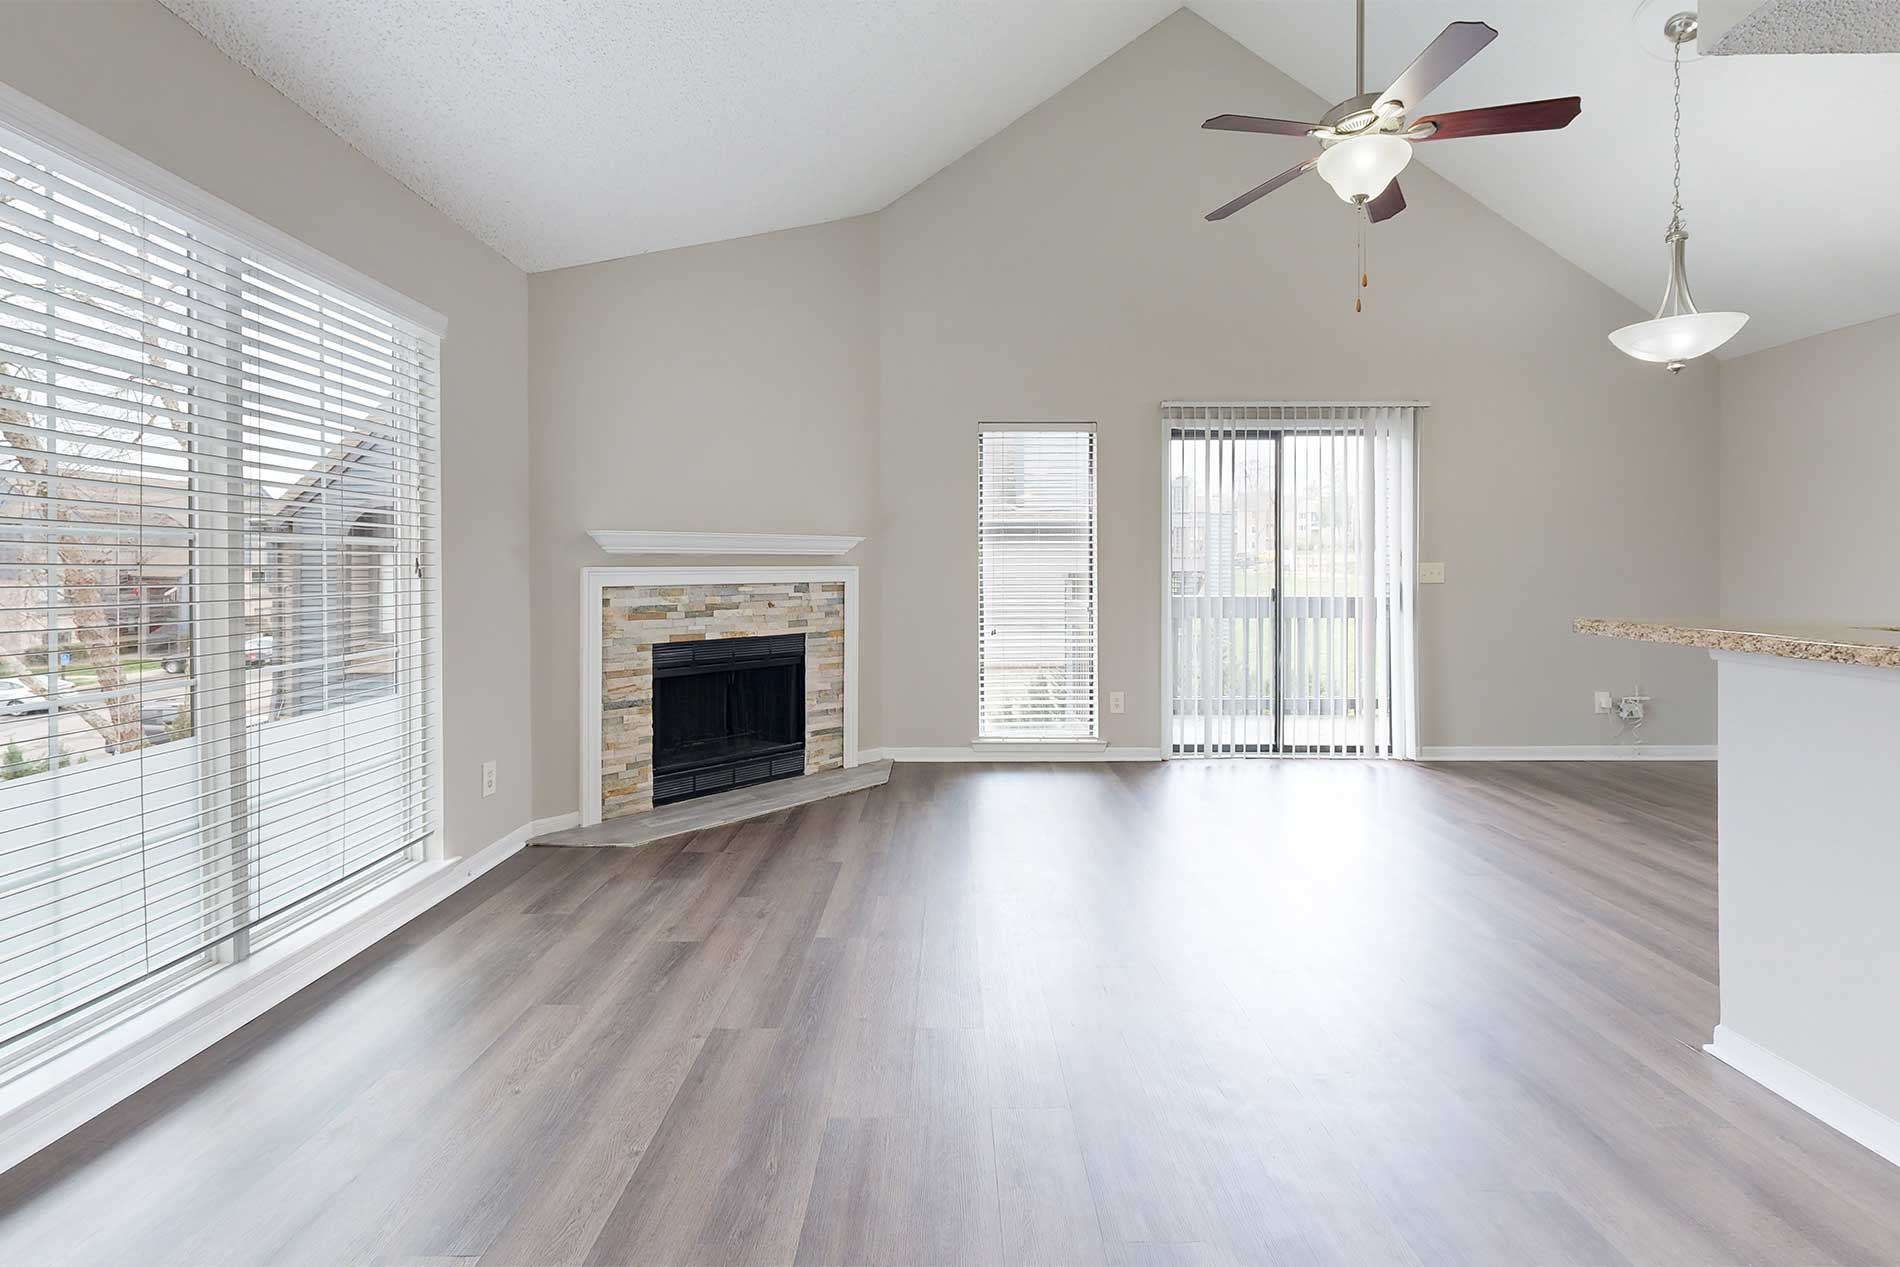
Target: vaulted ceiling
[566, 133]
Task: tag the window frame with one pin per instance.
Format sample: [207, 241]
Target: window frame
[1093, 737]
[212, 494]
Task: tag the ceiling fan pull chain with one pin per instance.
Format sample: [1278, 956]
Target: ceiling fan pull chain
[1357, 303]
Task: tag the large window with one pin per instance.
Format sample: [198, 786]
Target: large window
[1035, 549]
[217, 633]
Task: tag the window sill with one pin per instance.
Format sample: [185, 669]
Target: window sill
[1039, 745]
[44, 1101]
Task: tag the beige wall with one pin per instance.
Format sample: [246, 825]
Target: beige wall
[722, 388]
[1058, 271]
[144, 79]
[1062, 271]
[1810, 452]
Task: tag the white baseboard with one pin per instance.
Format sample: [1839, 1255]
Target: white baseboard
[46, 1103]
[1577, 752]
[1865, 1125]
[552, 823]
[1026, 753]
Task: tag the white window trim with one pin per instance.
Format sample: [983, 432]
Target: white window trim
[1006, 747]
[52, 1099]
[143, 179]
[61, 136]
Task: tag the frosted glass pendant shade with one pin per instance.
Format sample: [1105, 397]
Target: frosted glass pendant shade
[1678, 333]
[1363, 166]
[1676, 339]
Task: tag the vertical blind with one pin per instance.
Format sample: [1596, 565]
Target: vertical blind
[1292, 530]
[217, 629]
[1035, 549]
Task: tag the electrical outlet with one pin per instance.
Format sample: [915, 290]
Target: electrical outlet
[1630, 707]
[488, 778]
[1603, 704]
[1116, 702]
[1431, 574]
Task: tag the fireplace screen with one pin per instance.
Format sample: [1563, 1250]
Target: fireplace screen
[727, 712]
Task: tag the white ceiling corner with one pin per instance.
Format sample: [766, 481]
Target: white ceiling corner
[567, 133]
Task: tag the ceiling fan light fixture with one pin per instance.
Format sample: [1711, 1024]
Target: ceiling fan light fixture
[1360, 167]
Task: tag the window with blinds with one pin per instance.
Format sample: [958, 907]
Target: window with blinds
[217, 629]
[1035, 549]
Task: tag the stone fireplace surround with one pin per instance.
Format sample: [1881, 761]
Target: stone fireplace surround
[627, 610]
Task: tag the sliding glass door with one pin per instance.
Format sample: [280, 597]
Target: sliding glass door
[1284, 611]
[1224, 588]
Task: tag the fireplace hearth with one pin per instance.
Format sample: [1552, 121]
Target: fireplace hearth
[727, 713]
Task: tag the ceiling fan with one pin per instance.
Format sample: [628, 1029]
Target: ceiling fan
[1365, 139]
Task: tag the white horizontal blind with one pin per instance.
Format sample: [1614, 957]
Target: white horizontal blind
[217, 524]
[1036, 583]
[1291, 541]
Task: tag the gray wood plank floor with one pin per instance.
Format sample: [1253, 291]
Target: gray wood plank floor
[1201, 1015]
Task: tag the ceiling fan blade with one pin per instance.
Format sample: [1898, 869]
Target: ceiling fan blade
[1455, 45]
[1253, 123]
[1524, 116]
[1387, 204]
[1260, 191]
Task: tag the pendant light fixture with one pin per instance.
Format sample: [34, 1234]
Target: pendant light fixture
[1679, 332]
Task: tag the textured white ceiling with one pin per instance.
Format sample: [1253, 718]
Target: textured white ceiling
[1815, 26]
[563, 133]
[566, 131]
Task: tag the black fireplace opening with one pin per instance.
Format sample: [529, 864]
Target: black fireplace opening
[727, 712]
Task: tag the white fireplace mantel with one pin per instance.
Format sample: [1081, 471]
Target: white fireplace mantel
[642, 541]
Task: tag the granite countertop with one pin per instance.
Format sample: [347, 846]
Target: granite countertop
[1873, 645]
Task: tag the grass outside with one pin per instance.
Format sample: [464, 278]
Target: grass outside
[88, 674]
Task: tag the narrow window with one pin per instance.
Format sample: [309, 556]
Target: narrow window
[1035, 548]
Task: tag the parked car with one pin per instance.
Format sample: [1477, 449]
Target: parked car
[158, 722]
[170, 645]
[17, 699]
[257, 650]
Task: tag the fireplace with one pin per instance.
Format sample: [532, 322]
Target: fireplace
[682, 620]
[727, 712]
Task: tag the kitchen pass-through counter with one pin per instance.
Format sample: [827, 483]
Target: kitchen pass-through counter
[1808, 860]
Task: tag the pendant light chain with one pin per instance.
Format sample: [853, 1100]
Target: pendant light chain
[1675, 211]
[1679, 332]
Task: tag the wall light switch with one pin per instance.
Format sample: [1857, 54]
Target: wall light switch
[1116, 702]
[488, 778]
[1431, 574]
